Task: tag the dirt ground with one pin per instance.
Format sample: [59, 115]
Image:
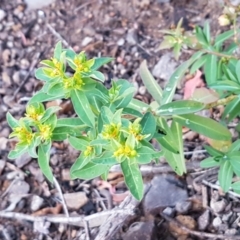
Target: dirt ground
[128, 31]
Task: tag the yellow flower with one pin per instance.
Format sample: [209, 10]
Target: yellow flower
[45, 132]
[111, 131]
[125, 151]
[88, 151]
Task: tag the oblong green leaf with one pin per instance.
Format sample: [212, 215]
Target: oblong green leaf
[223, 37]
[198, 64]
[225, 85]
[170, 88]
[205, 126]
[78, 143]
[70, 122]
[98, 62]
[236, 187]
[209, 162]
[180, 107]
[80, 162]
[133, 178]
[12, 122]
[89, 171]
[210, 69]
[148, 124]
[82, 107]
[232, 110]
[43, 97]
[225, 175]
[43, 160]
[151, 84]
[18, 151]
[106, 158]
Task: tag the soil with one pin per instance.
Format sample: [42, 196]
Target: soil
[128, 31]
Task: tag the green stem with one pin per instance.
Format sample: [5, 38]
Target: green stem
[223, 101]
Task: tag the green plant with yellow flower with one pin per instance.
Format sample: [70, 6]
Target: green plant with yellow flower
[111, 127]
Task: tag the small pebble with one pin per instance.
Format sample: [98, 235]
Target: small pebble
[36, 203]
[217, 222]
[218, 206]
[169, 211]
[2, 14]
[120, 42]
[203, 220]
[183, 207]
[24, 64]
[86, 41]
[142, 90]
[132, 37]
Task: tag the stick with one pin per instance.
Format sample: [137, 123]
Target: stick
[61, 196]
[160, 168]
[56, 34]
[34, 63]
[94, 220]
[109, 228]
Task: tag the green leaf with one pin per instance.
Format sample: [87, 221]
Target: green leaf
[198, 64]
[237, 70]
[148, 124]
[236, 187]
[212, 151]
[167, 141]
[49, 112]
[58, 51]
[43, 160]
[12, 122]
[210, 69]
[62, 133]
[80, 162]
[225, 85]
[205, 126]
[98, 62]
[138, 105]
[232, 110]
[132, 112]
[106, 158]
[99, 142]
[201, 37]
[178, 138]
[97, 75]
[56, 90]
[209, 162]
[170, 88]
[180, 107]
[43, 97]
[89, 171]
[177, 50]
[41, 75]
[18, 151]
[206, 31]
[234, 158]
[82, 107]
[225, 175]
[144, 155]
[133, 178]
[223, 37]
[151, 84]
[70, 122]
[235, 146]
[107, 115]
[78, 143]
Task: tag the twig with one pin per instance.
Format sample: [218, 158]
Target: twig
[196, 151]
[61, 196]
[161, 168]
[99, 198]
[203, 235]
[94, 220]
[215, 186]
[116, 220]
[86, 230]
[34, 63]
[56, 34]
